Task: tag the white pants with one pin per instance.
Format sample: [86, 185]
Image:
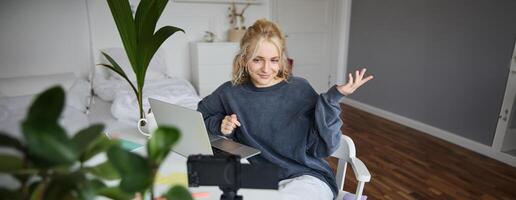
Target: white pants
[304, 188]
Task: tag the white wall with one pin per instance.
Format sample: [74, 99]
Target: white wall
[194, 18]
[43, 37]
[39, 37]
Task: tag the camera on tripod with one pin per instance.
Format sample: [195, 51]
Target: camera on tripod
[230, 175]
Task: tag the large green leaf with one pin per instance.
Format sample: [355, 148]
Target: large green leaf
[47, 105]
[88, 189]
[117, 69]
[64, 185]
[132, 168]
[8, 141]
[114, 66]
[122, 14]
[152, 44]
[161, 143]
[148, 20]
[104, 171]
[100, 144]
[48, 143]
[9, 194]
[85, 137]
[115, 193]
[150, 17]
[10, 163]
[178, 193]
[143, 9]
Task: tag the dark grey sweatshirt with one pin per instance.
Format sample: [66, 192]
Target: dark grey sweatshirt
[293, 126]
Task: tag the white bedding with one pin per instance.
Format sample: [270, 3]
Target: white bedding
[72, 120]
[125, 107]
[13, 109]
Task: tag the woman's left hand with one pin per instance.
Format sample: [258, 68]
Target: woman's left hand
[355, 83]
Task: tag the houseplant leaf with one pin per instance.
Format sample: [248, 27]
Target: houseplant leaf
[152, 44]
[117, 69]
[121, 11]
[100, 144]
[160, 36]
[115, 193]
[46, 139]
[10, 163]
[48, 144]
[132, 168]
[8, 141]
[88, 189]
[9, 194]
[47, 105]
[62, 185]
[104, 171]
[178, 193]
[85, 137]
[161, 142]
[146, 25]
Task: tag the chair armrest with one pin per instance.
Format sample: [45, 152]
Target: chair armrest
[361, 172]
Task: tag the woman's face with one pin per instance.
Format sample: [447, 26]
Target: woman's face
[263, 68]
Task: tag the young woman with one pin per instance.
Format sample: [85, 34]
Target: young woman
[282, 116]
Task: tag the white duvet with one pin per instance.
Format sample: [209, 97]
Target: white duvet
[14, 109]
[125, 107]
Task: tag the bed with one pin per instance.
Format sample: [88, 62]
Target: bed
[17, 94]
[105, 98]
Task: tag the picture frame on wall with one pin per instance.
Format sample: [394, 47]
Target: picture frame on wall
[221, 1]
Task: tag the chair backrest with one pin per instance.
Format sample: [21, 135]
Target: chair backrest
[344, 153]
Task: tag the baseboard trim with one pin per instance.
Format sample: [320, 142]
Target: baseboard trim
[436, 132]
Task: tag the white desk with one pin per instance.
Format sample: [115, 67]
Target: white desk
[173, 171]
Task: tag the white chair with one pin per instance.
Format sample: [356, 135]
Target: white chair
[347, 155]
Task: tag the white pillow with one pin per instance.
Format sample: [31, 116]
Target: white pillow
[79, 95]
[157, 66]
[19, 92]
[30, 85]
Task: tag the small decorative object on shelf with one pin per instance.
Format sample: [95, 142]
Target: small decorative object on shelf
[209, 37]
[236, 19]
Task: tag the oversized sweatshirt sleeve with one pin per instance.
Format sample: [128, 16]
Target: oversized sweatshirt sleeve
[212, 111]
[325, 137]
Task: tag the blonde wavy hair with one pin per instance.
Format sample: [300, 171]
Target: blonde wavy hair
[261, 30]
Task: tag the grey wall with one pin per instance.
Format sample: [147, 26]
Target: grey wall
[441, 62]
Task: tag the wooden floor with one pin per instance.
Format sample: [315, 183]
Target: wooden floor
[407, 164]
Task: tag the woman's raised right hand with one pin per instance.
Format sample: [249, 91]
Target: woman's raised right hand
[229, 123]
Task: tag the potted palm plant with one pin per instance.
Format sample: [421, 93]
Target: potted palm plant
[139, 39]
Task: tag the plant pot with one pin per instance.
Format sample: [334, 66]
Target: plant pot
[147, 125]
[235, 35]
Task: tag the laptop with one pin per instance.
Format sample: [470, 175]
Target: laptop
[194, 136]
